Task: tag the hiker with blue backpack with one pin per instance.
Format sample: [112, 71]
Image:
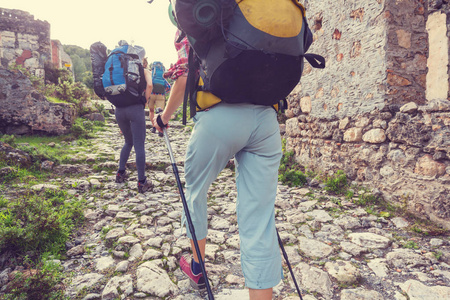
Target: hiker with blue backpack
[121, 78]
[241, 61]
[160, 88]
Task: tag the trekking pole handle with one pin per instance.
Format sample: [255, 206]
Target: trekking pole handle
[166, 137]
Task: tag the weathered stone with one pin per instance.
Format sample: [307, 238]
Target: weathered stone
[153, 280]
[408, 130]
[26, 110]
[353, 135]
[117, 286]
[314, 279]
[374, 136]
[343, 271]
[343, 123]
[360, 294]
[404, 38]
[104, 263]
[402, 258]
[429, 167]
[115, 233]
[369, 240]
[417, 290]
[95, 117]
[408, 108]
[14, 156]
[85, 281]
[305, 104]
[313, 248]
[77, 250]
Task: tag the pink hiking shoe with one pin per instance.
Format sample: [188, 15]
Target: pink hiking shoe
[197, 281]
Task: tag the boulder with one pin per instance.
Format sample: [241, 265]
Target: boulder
[23, 110]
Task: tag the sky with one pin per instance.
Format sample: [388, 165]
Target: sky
[84, 22]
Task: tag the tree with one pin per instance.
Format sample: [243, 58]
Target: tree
[81, 61]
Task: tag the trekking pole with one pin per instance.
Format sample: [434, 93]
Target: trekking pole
[186, 210]
[289, 265]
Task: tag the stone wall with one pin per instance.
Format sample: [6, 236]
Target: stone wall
[26, 41]
[380, 110]
[25, 111]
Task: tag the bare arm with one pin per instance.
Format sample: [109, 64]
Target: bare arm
[149, 87]
[175, 99]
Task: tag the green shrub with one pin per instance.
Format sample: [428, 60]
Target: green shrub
[293, 178]
[42, 281]
[336, 183]
[39, 223]
[290, 171]
[101, 109]
[365, 199]
[82, 128]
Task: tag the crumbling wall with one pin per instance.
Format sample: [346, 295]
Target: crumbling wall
[376, 111]
[24, 40]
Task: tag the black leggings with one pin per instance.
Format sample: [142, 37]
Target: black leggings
[131, 120]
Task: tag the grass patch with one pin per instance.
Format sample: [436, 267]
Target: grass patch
[55, 100]
[39, 223]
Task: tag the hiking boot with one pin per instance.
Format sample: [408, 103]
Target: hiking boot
[143, 187]
[153, 130]
[197, 281]
[121, 177]
[160, 134]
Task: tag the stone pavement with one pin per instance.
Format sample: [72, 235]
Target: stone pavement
[131, 244]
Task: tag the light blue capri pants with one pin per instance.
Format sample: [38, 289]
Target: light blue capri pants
[251, 134]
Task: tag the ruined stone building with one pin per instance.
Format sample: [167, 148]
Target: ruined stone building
[380, 110]
[27, 42]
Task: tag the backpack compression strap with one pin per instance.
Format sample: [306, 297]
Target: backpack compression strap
[315, 60]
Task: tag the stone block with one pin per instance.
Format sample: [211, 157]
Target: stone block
[374, 136]
[353, 135]
[305, 104]
[427, 166]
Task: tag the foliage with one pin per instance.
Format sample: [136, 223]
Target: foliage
[293, 178]
[59, 85]
[101, 109]
[39, 222]
[289, 171]
[82, 128]
[366, 199]
[9, 139]
[81, 61]
[39, 281]
[36, 81]
[411, 245]
[336, 183]
[55, 75]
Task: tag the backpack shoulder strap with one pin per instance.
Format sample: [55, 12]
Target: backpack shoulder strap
[191, 86]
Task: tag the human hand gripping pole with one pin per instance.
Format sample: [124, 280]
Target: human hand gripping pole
[183, 199]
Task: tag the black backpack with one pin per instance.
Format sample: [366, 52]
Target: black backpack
[244, 52]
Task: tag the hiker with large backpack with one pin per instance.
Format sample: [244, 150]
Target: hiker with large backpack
[160, 87]
[243, 59]
[121, 78]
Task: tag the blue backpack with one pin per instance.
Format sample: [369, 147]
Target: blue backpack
[158, 81]
[124, 72]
